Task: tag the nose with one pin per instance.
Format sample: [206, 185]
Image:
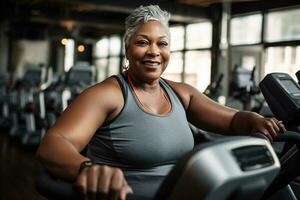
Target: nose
[153, 50]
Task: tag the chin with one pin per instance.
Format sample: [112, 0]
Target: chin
[151, 76]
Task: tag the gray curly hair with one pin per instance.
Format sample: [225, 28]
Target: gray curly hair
[142, 15]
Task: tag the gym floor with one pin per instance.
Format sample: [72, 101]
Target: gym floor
[18, 171]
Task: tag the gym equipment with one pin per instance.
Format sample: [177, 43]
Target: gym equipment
[298, 76]
[24, 100]
[34, 82]
[213, 170]
[283, 96]
[214, 89]
[243, 87]
[65, 88]
[4, 103]
[216, 170]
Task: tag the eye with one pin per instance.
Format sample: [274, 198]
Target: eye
[142, 42]
[163, 44]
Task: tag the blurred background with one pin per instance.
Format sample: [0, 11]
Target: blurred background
[50, 50]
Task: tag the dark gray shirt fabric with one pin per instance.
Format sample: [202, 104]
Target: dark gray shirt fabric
[144, 145]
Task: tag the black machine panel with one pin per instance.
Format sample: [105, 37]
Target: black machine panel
[253, 157]
[282, 94]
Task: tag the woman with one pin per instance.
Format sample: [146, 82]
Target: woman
[136, 124]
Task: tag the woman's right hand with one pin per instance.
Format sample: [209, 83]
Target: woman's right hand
[103, 182]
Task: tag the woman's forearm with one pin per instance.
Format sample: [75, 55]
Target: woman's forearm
[60, 156]
[242, 122]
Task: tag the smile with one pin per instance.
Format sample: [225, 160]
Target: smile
[151, 64]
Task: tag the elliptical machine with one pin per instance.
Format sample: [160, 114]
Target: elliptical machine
[243, 87]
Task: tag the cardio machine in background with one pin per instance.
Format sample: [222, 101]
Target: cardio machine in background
[65, 88]
[243, 87]
[214, 89]
[27, 108]
[4, 103]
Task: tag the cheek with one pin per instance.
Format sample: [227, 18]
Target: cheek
[166, 57]
[137, 53]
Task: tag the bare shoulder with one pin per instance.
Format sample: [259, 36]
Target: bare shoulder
[106, 88]
[96, 103]
[107, 93]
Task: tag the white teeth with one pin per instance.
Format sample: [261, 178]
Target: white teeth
[151, 62]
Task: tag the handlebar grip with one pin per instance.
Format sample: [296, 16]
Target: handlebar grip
[52, 188]
[288, 136]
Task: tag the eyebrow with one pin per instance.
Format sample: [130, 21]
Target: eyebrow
[143, 35]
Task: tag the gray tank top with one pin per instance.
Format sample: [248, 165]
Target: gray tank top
[144, 145]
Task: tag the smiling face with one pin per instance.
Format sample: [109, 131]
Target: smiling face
[149, 51]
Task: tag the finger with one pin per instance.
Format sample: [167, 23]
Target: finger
[126, 189]
[104, 180]
[116, 183]
[266, 133]
[269, 126]
[275, 123]
[92, 181]
[274, 129]
[281, 126]
[81, 183]
[272, 132]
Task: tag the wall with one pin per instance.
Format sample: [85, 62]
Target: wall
[28, 52]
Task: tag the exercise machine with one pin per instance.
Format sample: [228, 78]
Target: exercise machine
[214, 89]
[244, 89]
[214, 170]
[283, 96]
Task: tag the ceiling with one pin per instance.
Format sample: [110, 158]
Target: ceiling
[93, 18]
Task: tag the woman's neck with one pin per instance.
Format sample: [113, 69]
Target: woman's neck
[138, 84]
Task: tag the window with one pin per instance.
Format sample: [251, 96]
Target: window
[102, 48]
[177, 38]
[283, 26]
[246, 29]
[190, 54]
[113, 66]
[101, 65]
[107, 56]
[199, 35]
[114, 46]
[282, 59]
[175, 67]
[198, 69]
[69, 54]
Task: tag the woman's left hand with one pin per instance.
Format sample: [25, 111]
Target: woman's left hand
[270, 127]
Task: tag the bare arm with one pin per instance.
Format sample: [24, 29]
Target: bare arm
[61, 146]
[60, 149]
[209, 115]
